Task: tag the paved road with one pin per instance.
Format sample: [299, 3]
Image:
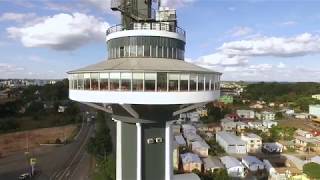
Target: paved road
[53, 162]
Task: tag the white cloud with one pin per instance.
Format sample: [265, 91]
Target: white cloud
[240, 31]
[17, 17]
[289, 23]
[9, 68]
[61, 32]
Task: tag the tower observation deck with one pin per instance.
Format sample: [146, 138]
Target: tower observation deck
[144, 82]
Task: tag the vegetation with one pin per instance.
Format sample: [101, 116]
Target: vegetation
[297, 95]
[36, 107]
[215, 114]
[100, 146]
[217, 175]
[312, 170]
[215, 148]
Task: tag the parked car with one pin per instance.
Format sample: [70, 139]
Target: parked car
[25, 176]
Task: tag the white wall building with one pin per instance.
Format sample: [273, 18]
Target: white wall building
[266, 115]
[253, 141]
[212, 164]
[201, 148]
[272, 147]
[234, 167]
[316, 96]
[232, 144]
[247, 114]
[252, 163]
[314, 110]
[269, 123]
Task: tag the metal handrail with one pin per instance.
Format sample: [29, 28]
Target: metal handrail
[147, 26]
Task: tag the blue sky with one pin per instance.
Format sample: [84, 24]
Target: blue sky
[254, 40]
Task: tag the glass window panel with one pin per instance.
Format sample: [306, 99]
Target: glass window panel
[94, 81]
[104, 81]
[184, 79]
[147, 51]
[126, 81]
[137, 81]
[212, 82]
[80, 81]
[133, 51]
[140, 51]
[207, 82]
[159, 53]
[154, 51]
[200, 82]
[121, 49]
[165, 52]
[193, 82]
[174, 54]
[86, 81]
[114, 81]
[126, 51]
[161, 81]
[150, 81]
[170, 52]
[173, 82]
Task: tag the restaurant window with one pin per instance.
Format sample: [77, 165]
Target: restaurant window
[170, 52]
[165, 52]
[212, 82]
[133, 51]
[173, 82]
[200, 82]
[184, 81]
[160, 52]
[161, 81]
[80, 81]
[114, 81]
[126, 81]
[154, 51]
[147, 51]
[150, 81]
[121, 49]
[140, 51]
[193, 82]
[137, 81]
[207, 82]
[94, 81]
[126, 51]
[104, 77]
[86, 81]
[174, 53]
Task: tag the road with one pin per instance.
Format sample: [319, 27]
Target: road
[58, 163]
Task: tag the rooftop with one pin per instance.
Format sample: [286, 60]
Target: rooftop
[230, 161]
[230, 138]
[190, 158]
[212, 162]
[200, 144]
[143, 65]
[180, 140]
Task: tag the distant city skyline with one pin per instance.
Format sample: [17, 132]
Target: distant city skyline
[250, 40]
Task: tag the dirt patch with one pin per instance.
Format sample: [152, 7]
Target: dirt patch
[13, 142]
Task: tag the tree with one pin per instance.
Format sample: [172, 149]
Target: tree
[312, 170]
[279, 115]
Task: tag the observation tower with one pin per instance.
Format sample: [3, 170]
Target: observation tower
[144, 83]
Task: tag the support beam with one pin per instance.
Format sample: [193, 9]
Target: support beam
[189, 108]
[102, 108]
[130, 110]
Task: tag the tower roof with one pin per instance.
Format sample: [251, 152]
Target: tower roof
[143, 64]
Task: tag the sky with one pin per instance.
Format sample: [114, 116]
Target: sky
[248, 40]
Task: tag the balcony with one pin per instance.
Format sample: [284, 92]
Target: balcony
[157, 26]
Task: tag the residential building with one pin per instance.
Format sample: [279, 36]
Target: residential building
[255, 124]
[302, 116]
[269, 123]
[212, 164]
[234, 167]
[192, 137]
[202, 112]
[180, 141]
[186, 176]
[188, 128]
[247, 114]
[201, 148]
[191, 162]
[231, 126]
[273, 147]
[231, 143]
[316, 96]
[253, 141]
[314, 110]
[266, 115]
[176, 129]
[289, 112]
[304, 143]
[175, 158]
[256, 106]
[252, 163]
[315, 159]
[303, 133]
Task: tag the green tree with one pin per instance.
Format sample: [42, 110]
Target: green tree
[312, 170]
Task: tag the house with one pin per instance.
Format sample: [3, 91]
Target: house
[188, 128]
[266, 115]
[314, 110]
[253, 141]
[269, 123]
[187, 176]
[231, 126]
[209, 135]
[201, 148]
[302, 116]
[191, 162]
[61, 109]
[315, 159]
[231, 143]
[202, 112]
[192, 137]
[272, 147]
[246, 114]
[315, 133]
[289, 112]
[194, 116]
[211, 164]
[180, 141]
[252, 163]
[316, 96]
[234, 167]
[226, 99]
[176, 129]
[304, 143]
[306, 134]
[256, 106]
[255, 124]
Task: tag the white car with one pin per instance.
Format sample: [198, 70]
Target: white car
[25, 176]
